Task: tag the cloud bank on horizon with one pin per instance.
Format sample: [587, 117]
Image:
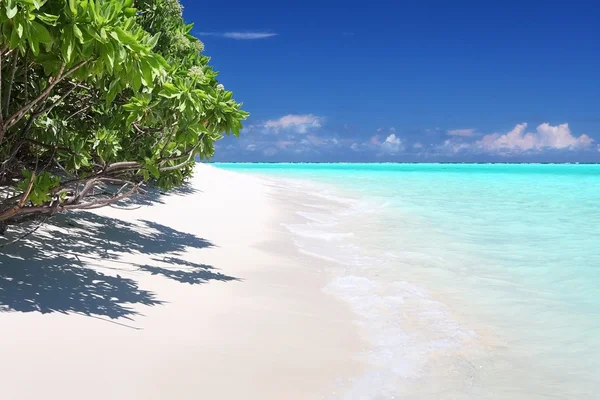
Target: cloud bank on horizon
[307, 137]
[345, 84]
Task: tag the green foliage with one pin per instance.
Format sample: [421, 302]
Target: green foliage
[41, 187]
[100, 92]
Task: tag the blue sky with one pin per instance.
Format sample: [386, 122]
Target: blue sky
[408, 81]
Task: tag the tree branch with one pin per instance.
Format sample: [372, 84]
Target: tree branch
[120, 165]
[1, 113]
[10, 84]
[16, 117]
[88, 186]
[77, 112]
[55, 103]
[174, 167]
[11, 212]
[173, 131]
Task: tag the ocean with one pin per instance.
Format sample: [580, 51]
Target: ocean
[470, 281]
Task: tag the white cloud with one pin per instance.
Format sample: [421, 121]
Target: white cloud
[270, 152]
[392, 144]
[461, 132]
[455, 147]
[300, 123]
[546, 137]
[251, 147]
[240, 35]
[417, 146]
[248, 35]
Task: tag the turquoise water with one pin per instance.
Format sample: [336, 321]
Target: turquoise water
[489, 273]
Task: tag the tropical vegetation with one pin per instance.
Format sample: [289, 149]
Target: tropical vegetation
[99, 99]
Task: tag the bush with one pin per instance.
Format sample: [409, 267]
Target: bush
[97, 99]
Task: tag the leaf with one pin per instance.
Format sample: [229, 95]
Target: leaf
[153, 170]
[136, 81]
[73, 6]
[124, 37]
[14, 39]
[113, 90]
[130, 12]
[40, 32]
[146, 70]
[108, 54]
[48, 19]
[67, 45]
[35, 46]
[154, 40]
[19, 28]
[78, 34]
[11, 12]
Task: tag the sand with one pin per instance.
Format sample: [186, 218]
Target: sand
[199, 294]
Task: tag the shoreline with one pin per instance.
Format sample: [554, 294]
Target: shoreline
[201, 292]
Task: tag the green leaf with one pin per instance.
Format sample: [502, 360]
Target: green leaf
[11, 12]
[19, 29]
[78, 34]
[123, 36]
[73, 6]
[136, 81]
[153, 170]
[146, 73]
[67, 45]
[108, 54]
[40, 32]
[130, 12]
[48, 19]
[154, 40]
[35, 46]
[14, 39]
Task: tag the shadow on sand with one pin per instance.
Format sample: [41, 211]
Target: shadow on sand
[55, 270]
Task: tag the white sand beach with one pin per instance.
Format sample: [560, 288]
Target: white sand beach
[199, 294]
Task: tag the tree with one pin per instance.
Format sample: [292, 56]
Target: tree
[98, 99]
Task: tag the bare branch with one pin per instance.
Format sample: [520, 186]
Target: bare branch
[183, 164]
[10, 84]
[16, 117]
[120, 165]
[28, 191]
[88, 186]
[55, 103]
[50, 209]
[171, 134]
[1, 114]
[11, 212]
[77, 112]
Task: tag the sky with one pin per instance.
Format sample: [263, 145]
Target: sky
[427, 81]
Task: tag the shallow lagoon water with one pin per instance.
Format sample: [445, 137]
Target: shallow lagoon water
[470, 281]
